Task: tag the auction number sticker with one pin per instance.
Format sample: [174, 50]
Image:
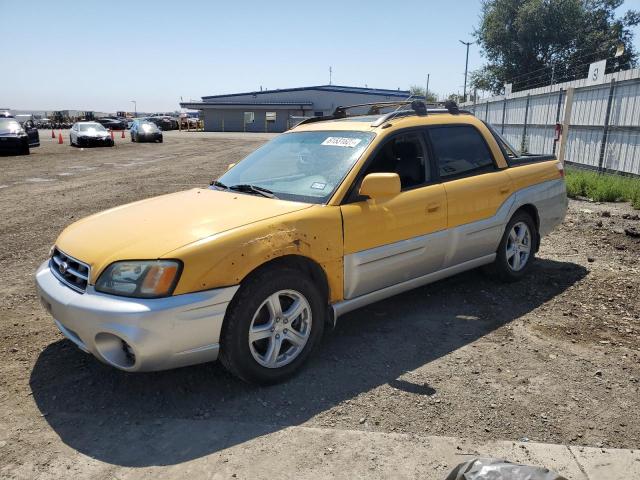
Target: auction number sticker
[342, 141]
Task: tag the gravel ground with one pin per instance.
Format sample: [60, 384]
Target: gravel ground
[554, 358]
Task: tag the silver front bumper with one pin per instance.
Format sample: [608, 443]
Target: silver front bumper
[137, 334]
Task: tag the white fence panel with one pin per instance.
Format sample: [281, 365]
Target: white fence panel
[533, 126]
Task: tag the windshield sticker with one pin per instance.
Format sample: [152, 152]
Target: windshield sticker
[342, 141]
[318, 185]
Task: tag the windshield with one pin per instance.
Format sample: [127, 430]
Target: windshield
[85, 127]
[301, 166]
[148, 126]
[9, 123]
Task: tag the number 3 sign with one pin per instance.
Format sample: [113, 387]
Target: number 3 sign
[596, 72]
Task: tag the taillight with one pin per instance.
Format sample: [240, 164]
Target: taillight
[560, 169]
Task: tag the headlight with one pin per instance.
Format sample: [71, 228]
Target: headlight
[142, 279]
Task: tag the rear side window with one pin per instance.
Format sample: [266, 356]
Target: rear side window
[460, 150]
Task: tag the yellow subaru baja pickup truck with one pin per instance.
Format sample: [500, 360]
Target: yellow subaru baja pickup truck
[339, 212]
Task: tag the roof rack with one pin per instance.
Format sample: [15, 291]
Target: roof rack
[417, 107]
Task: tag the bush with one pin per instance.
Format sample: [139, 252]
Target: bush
[603, 187]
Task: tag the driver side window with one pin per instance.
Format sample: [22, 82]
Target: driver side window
[404, 154]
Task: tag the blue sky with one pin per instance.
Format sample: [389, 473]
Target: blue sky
[99, 55]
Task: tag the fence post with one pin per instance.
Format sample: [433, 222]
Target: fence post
[566, 122]
[523, 147]
[486, 112]
[504, 111]
[557, 116]
[605, 131]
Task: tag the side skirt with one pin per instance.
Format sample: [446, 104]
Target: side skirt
[345, 306]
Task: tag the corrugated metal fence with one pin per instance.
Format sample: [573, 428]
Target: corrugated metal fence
[602, 131]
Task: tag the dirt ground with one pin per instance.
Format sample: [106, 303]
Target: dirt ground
[554, 358]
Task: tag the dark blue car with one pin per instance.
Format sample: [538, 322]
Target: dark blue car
[145, 131]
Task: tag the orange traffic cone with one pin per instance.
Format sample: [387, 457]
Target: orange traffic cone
[53, 134]
[122, 136]
[60, 141]
[111, 131]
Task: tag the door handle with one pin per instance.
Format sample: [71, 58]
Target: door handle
[433, 207]
[505, 189]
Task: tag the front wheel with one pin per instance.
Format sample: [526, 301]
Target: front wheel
[516, 251]
[272, 326]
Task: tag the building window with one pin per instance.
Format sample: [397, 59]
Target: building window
[249, 117]
[271, 116]
[317, 114]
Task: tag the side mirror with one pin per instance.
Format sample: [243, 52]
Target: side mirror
[231, 165]
[380, 185]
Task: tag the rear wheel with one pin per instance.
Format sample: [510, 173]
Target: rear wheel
[273, 324]
[516, 251]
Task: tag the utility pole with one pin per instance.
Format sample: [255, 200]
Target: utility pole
[466, 69]
[426, 92]
[135, 109]
[330, 74]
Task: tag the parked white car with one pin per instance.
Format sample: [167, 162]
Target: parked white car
[89, 134]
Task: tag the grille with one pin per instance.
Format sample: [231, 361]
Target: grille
[69, 271]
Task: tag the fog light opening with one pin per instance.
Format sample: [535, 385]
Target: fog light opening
[115, 351]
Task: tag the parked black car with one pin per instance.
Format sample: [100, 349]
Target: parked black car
[164, 123]
[112, 123]
[30, 127]
[15, 139]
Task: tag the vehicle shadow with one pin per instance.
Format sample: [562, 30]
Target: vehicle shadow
[165, 418]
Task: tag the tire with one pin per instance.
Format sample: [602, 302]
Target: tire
[253, 308]
[511, 266]
[160, 140]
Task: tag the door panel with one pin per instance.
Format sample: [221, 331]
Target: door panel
[393, 240]
[473, 204]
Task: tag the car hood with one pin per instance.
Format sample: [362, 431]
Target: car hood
[5, 132]
[151, 228]
[93, 134]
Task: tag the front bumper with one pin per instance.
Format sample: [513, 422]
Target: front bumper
[13, 144]
[150, 137]
[135, 334]
[94, 141]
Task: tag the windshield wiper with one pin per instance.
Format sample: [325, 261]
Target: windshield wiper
[246, 188]
[215, 183]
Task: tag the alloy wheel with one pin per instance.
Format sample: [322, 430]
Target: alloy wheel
[280, 328]
[518, 248]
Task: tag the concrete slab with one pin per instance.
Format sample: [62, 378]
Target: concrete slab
[178, 448]
[609, 464]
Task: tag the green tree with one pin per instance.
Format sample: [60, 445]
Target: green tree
[418, 90]
[456, 97]
[531, 43]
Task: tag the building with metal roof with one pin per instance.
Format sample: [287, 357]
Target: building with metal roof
[279, 110]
